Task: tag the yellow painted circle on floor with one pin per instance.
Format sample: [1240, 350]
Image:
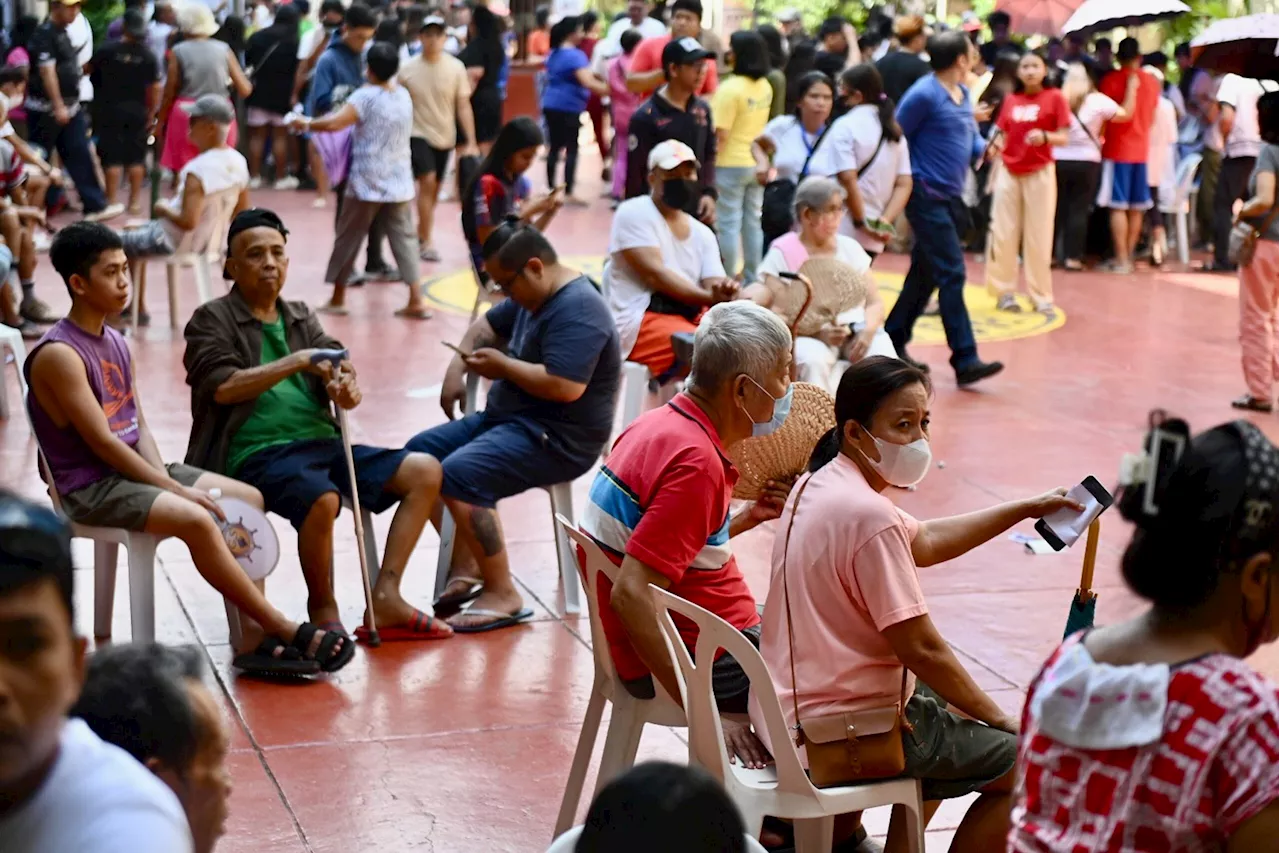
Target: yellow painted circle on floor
[456, 291]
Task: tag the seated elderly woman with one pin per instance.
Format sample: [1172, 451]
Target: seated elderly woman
[847, 569]
[857, 329]
[1165, 700]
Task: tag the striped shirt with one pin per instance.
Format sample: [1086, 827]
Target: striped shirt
[663, 498]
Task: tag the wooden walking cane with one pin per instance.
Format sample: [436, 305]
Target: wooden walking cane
[1085, 600]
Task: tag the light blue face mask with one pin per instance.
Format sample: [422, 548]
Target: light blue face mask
[781, 408]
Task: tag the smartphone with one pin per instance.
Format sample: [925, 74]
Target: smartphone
[789, 276]
[1061, 529]
[459, 350]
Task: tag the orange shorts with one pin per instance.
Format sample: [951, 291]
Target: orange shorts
[653, 343]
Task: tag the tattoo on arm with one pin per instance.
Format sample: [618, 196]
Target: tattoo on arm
[484, 523]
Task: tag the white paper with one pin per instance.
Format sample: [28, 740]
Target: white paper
[1069, 524]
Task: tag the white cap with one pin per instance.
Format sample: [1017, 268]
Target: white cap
[788, 15]
[669, 154]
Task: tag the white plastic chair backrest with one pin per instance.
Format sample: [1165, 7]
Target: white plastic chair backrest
[215, 218]
[706, 738]
[43, 465]
[597, 564]
[1185, 178]
[565, 843]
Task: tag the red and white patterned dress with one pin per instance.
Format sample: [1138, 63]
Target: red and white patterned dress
[1142, 758]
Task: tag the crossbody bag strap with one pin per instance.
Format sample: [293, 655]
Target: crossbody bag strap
[791, 634]
[874, 154]
[1087, 131]
[804, 170]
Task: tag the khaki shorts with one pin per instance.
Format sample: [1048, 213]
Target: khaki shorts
[115, 501]
[951, 755]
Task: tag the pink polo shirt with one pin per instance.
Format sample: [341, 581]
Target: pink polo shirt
[851, 575]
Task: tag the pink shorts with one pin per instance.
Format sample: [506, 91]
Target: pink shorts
[258, 117]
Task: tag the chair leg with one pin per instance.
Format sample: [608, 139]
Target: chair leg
[142, 588]
[204, 287]
[171, 274]
[4, 388]
[581, 761]
[139, 286]
[626, 724]
[635, 385]
[562, 504]
[445, 558]
[1184, 238]
[914, 812]
[104, 586]
[814, 835]
[370, 545]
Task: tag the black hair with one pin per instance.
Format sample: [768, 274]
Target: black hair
[750, 54]
[1268, 118]
[541, 17]
[799, 65]
[1212, 514]
[660, 806]
[359, 16]
[946, 49]
[389, 32]
[383, 60]
[831, 26]
[1018, 85]
[830, 64]
[773, 42]
[1099, 42]
[807, 82]
[1128, 50]
[78, 246]
[629, 40]
[1156, 59]
[588, 19]
[999, 19]
[329, 6]
[564, 28]
[693, 6]
[12, 74]
[41, 552]
[487, 26]
[863, 389]
[233, 33]
[1183, 49]
[865, 78]
[521, 244]
[516, 135]
[22, 31]
[135, 697]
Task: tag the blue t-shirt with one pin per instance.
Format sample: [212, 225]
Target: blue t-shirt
[564, 92]
[942, 136]
[339, 72]
[573, 335]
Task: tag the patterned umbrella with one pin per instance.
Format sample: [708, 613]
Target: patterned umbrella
[1245, 46]
[1043, 17]
[1094, 15]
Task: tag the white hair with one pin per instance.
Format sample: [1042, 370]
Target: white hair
[736, 338]
[815, 193]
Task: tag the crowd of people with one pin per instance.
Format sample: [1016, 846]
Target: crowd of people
[738, 168]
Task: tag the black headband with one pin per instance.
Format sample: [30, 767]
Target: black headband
[253, 217]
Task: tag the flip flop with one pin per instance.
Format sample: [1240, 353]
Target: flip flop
[453, 603]
[415, 313]
[503, 620]
[420, 627]
[273, 658]
[1251, 404]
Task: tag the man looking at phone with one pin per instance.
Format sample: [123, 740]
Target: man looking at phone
[552, 353]
[263, 373]
[664, 266]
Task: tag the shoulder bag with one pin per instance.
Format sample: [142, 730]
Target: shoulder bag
[849, 746]
[1244, 239]
[777, 209]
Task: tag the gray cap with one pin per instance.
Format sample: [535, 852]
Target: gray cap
[213, 107]
[135, 23]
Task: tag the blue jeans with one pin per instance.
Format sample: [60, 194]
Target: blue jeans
[71, 141]
[937, 260]
[738, 216]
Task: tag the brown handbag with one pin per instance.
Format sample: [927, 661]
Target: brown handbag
[848, 746]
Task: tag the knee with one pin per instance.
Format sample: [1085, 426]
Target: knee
[324, 510]
[194, 525]
[419, 474]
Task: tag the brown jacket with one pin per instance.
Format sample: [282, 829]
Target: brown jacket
[223, 336]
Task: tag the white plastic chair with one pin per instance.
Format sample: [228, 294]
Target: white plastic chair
[198, 249]
[1184, 187]
[783, 790]
[629, 715]
[11, 339]
[561, 504]
[565, 843]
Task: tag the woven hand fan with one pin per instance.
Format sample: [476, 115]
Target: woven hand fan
[786, 452]
[837, 287]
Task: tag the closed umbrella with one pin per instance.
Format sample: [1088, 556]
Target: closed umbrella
[1043, 17]
[1245, 46]
[1085, 600]
[1094, 15]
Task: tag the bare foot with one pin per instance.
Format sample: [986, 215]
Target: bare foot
[392, 611]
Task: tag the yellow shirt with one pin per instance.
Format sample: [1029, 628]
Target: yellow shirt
[740, 106]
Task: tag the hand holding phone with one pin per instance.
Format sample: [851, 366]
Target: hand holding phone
[459, 350]
[1061, 529]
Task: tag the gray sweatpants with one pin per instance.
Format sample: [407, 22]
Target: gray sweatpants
[395, 219]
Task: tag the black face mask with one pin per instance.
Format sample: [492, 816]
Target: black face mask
[681, 193]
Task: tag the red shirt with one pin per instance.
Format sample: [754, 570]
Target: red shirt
[663, 497]
[648, 57]
[1127, 141]
[1020, 114]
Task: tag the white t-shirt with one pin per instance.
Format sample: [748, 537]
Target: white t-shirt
[1161, 156]
[1095, 111]
[80, 34]
[638, 224]
[97, 798]
[793, 144]
[611, 44]
[263, 16]
[850, 145]
[218, 169]
[1242, 93]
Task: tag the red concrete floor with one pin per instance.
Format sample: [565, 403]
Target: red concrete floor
[464, 745]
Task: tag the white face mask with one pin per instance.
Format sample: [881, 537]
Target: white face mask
[902, 465]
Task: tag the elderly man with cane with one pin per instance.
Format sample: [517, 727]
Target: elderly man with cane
[262, 373]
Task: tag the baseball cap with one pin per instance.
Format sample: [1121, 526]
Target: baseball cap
[788, 15]
[66, 2]
[669, 154]
[432, 21]
[685, 51]
[970, 22]
[214, 107]
[135, 23]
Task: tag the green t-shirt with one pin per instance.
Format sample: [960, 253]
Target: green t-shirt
[285, 414]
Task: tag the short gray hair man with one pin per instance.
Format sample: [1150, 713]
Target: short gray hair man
[736, 338]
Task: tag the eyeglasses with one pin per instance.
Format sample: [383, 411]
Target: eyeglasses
[32, 535]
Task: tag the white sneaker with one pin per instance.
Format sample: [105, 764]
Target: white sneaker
[41, 241]
[320, 202]
[255, 183]
[111, 211]
[288, 183]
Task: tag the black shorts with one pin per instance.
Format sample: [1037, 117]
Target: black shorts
[122, 139]
[425, 159]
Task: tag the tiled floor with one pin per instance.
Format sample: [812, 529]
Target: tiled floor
[464, 745]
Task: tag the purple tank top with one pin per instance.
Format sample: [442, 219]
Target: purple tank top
[108, 365]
